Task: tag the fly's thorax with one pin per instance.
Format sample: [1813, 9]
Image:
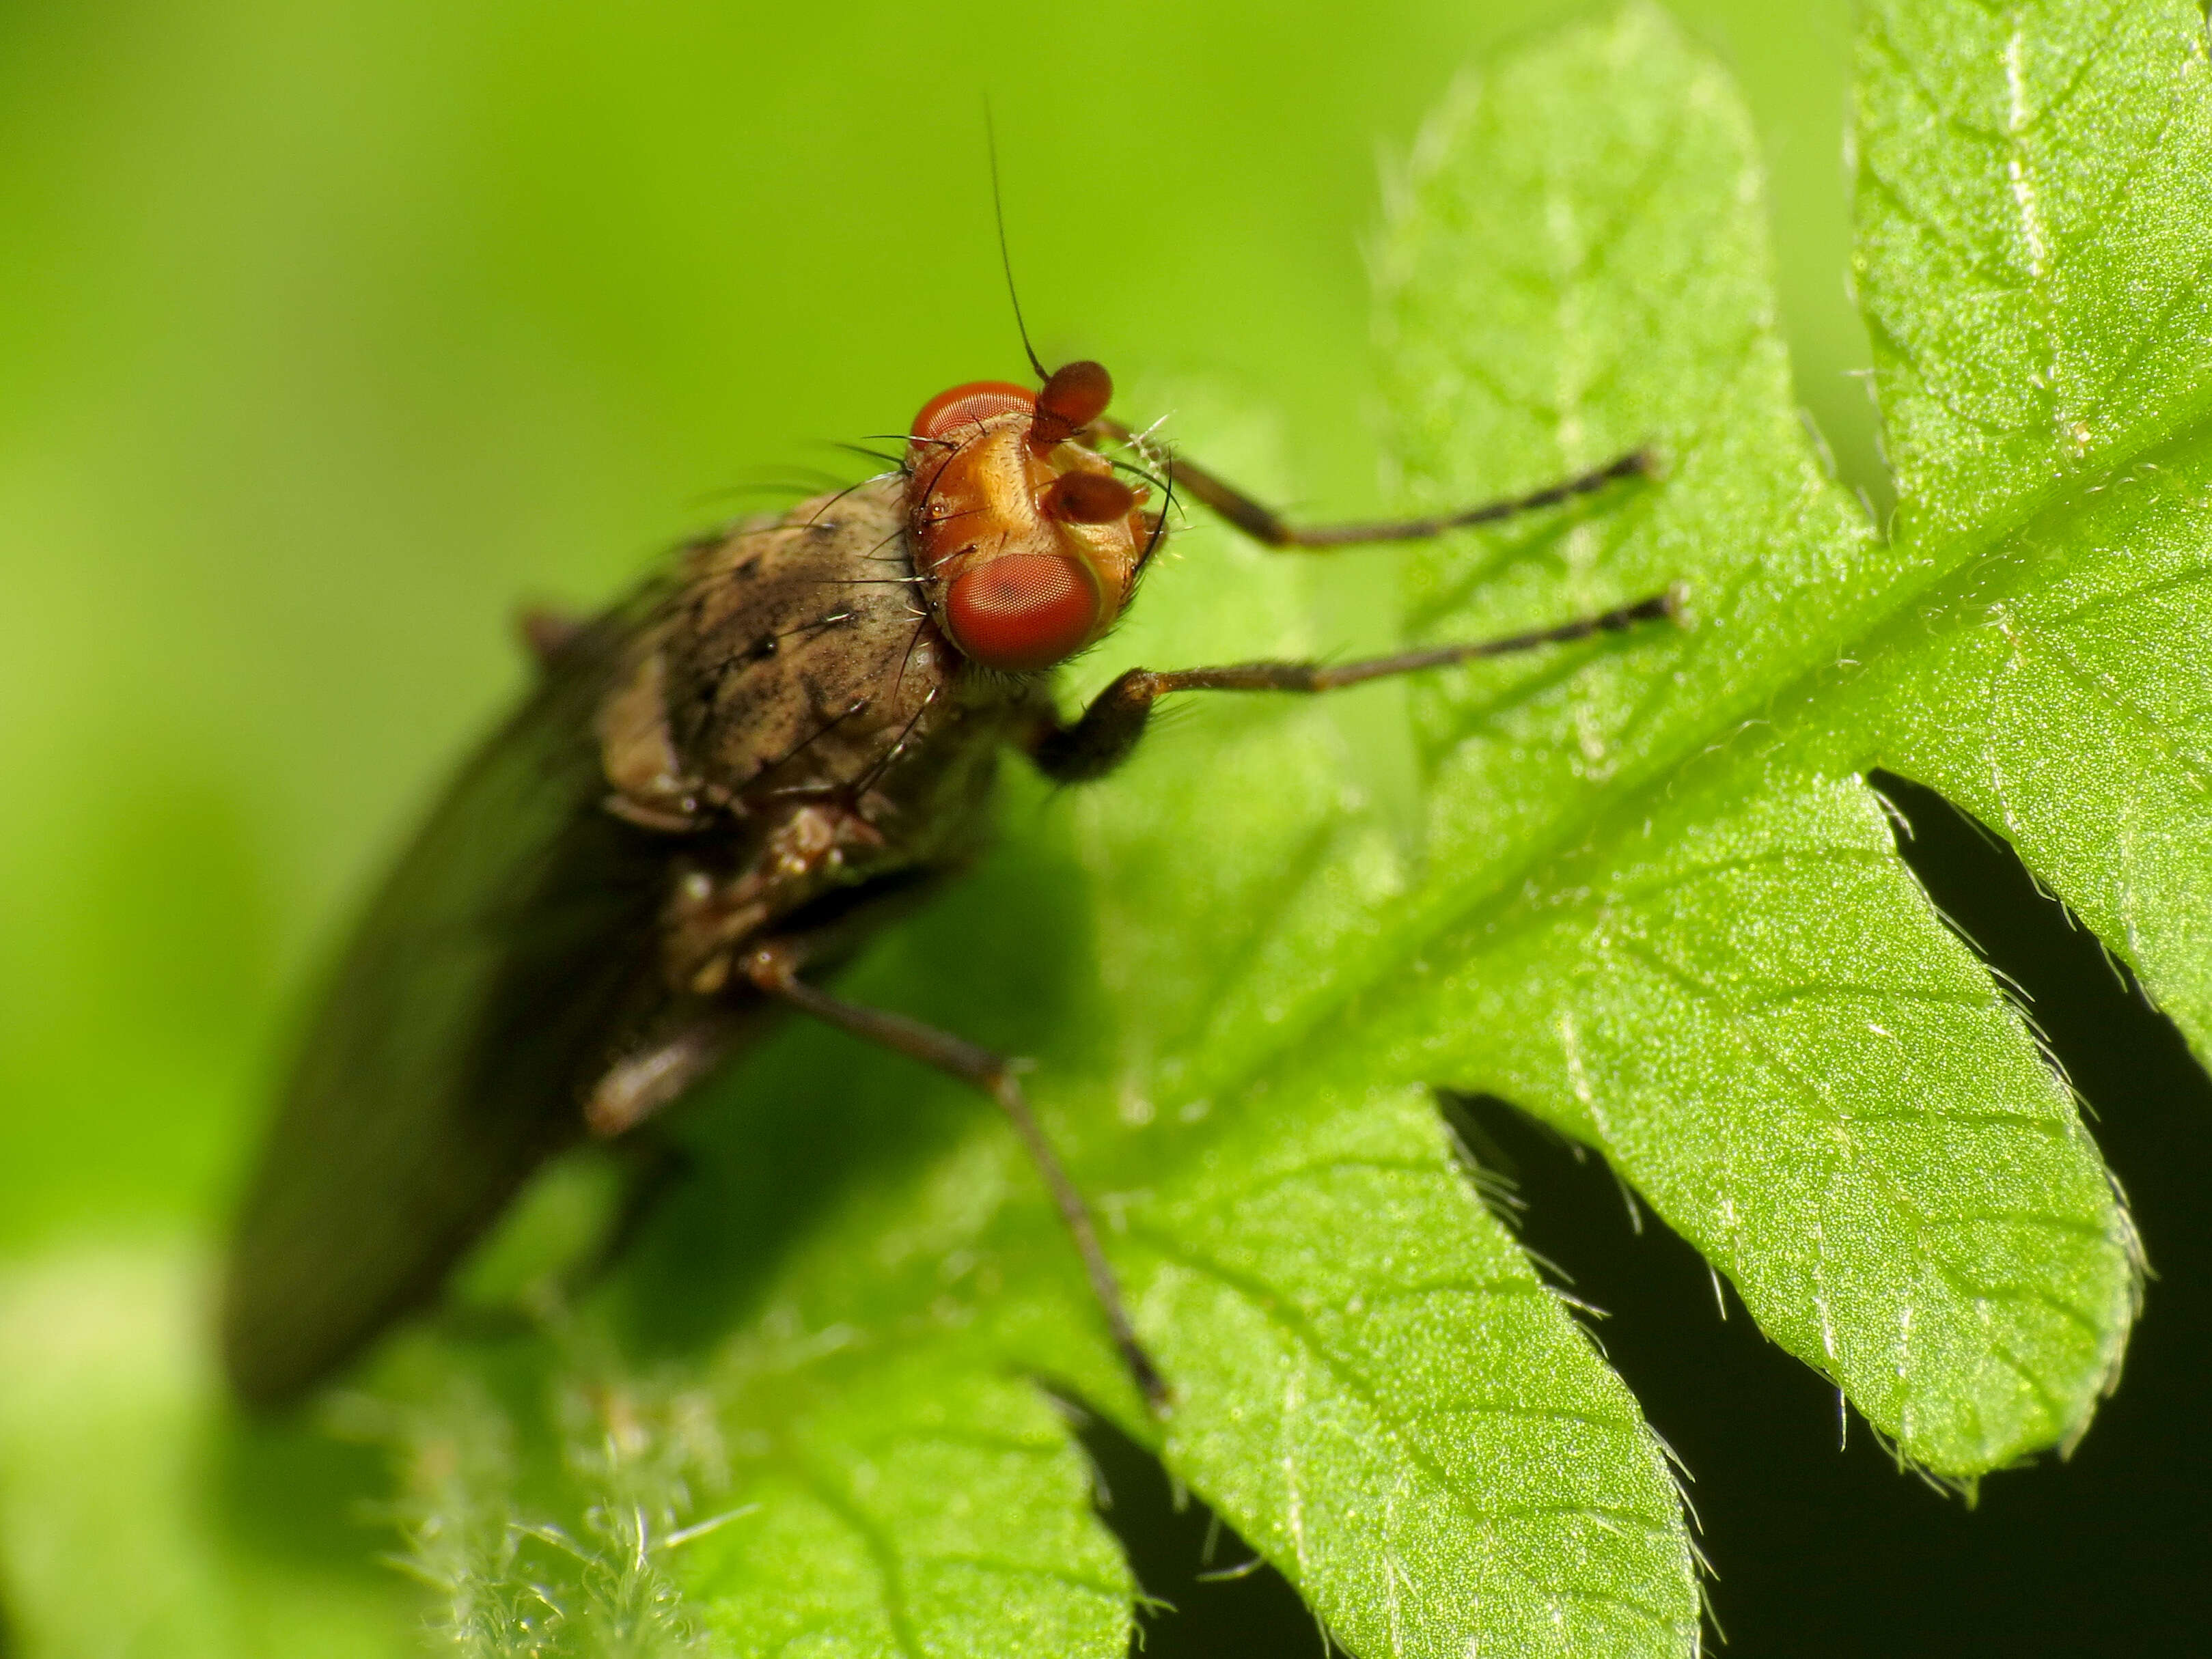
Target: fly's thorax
[791, 720]
[1028, 543]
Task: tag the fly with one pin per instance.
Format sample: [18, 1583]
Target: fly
[715, 792]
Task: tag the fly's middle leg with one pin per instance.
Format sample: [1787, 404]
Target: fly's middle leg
[702, 1029]
[774, 968]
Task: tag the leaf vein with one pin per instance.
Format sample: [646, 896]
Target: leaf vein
[1278, 1311]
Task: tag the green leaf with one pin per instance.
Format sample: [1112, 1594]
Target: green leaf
[137, 1515]
[2033, 184]
[909, 1505]
[1716, 971]
[2071, 171]
[1637, 886]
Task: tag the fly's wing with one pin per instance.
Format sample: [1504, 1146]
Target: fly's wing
[503, 965]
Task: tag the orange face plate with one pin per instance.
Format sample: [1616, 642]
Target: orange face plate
[1027, 543]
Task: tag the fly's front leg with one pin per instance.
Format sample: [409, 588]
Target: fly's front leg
[1264, 525]
[774, 967]
[1103, 737]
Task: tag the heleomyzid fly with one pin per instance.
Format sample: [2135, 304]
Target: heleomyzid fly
[715, 792]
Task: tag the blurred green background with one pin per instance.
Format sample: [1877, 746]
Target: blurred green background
[329, 330]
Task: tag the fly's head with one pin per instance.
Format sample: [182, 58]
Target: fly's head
[1028, 545]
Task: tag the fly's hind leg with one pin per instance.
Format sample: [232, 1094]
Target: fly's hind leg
[774, 968]
[636, 1086]
[1102, 738]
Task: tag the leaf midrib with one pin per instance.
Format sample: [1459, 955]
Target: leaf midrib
[1887, 620]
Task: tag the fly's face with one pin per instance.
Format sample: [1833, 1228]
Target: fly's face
[1028, 544]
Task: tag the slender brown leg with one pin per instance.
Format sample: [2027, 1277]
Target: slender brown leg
[1263, 524]
[1102, 738]
[692, 1040]
[774, 969]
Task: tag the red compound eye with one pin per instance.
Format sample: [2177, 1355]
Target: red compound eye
[1021, 612]
[964, 405]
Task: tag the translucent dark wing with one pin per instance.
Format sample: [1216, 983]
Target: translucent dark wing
[501, 967]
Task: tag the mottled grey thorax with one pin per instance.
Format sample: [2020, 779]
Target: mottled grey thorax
[794, 723]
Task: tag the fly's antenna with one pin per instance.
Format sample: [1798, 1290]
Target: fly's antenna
[1005, 258]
